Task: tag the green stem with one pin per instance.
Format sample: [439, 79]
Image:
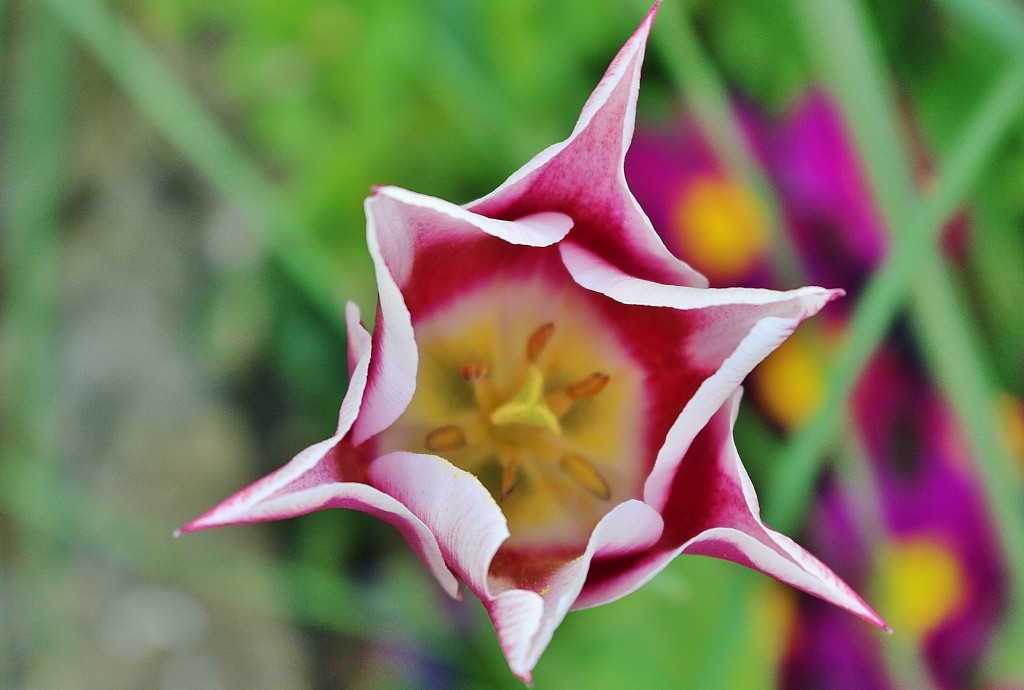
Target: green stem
[859, 485]
[1001, 20]
[32, 189]
[848, 59]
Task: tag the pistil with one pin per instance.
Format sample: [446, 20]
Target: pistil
[527, 407]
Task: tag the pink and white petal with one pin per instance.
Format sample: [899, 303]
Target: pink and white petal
[470, 528]
[789, 564]
[583, 177]
[392, 376]
[517, 615]
[314, 480]
[766, 335]
[358, 337]
[402, 229]
[596, 273]
[364, 498]
[318, 464]
[744, 325]
[609, 112]
[465, 519]
[624, 576]
[429, 220]
[525, 620]
[713, 511]
[745, 539]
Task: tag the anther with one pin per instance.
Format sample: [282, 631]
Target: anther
[508, 479]
[587, 387]
[445, 438]
[537, 340]
[474, 371]
[586, 475]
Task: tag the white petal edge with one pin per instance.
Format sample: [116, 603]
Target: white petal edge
[594, 273]
[239, 506]
[394, 381]
[536, 230]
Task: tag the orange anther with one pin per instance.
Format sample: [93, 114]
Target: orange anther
[587, 387]
[508, 479]
[586, 475]
[537, 340]
[444, 438]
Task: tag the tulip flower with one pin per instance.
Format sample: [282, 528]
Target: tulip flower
[544, 409]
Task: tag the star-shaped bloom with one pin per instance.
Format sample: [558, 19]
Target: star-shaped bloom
[544, 409]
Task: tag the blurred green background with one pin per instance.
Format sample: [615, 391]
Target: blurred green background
[182, 188]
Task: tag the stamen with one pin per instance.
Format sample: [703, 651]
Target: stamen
[445, 438]
[560, 402]
[508, 479]
[587, 387]
[586, 475]
[537, 340]
[473, 371]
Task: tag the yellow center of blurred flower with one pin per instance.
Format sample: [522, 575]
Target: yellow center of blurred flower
[531, 395]
[1011, 414]
[922, 583]
[720, 227]
[775, 608]
[790, 383]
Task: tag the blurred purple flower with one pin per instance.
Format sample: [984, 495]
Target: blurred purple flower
[545, 407]
[705, 216]
[938, 567]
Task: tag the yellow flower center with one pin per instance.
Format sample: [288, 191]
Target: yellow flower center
[1011, 417]
[922, 582]
[790, 383]
[721, 228]
[533, 398]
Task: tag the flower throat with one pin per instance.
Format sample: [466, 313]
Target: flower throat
[522, 427]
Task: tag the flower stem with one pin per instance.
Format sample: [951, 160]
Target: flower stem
[33, 151]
